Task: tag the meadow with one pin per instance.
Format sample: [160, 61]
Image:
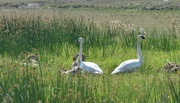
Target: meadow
[110, 38]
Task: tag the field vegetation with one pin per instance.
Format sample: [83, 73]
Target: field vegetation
[110, 34]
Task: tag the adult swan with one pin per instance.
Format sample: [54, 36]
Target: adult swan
[132, 64]
[87, 67]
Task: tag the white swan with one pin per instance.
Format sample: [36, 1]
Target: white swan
[132, 64]
[87, 67]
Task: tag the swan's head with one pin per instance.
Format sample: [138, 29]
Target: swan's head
[141, 34]
[80, 39]
[141, 37]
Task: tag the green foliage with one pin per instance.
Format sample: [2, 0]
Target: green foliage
[54, 41]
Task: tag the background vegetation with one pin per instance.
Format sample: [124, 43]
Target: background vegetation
[110, 38]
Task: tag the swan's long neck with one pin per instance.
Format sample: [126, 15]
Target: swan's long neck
[80, 52]
[140, 57]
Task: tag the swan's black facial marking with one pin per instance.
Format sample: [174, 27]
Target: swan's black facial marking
[142, 37]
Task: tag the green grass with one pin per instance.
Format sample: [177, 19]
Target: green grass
[54, 40]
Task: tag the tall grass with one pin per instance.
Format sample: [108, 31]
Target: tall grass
[53, 39]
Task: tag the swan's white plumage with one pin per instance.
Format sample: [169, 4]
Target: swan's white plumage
[127, 66]
[132, 64]
[90, 67]
[87, 67]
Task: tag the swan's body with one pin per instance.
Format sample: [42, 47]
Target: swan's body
[90, 67]
[132, 64]
[87, 67]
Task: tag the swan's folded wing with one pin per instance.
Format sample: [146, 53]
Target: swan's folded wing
[127, 66]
